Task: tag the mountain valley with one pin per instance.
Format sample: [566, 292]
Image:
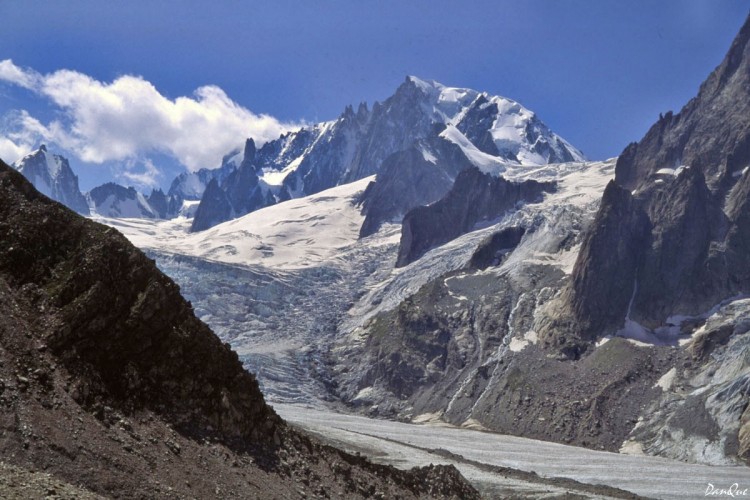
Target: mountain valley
[406, 281]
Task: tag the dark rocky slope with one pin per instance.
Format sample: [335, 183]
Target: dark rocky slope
[446, 351]
[418, 175]
[671, 236]
[109, 381]
[475, 198]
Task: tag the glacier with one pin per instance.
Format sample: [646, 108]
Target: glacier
[287, 284]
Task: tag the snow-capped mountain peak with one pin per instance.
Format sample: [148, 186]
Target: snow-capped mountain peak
[516, 132]
[52, 176]
[41, 160]
[426, 86]
[444, 103]
[493, 130]
[113, 200]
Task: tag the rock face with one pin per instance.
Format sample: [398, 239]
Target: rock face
[109, 381]
[241, 192]
[492, 250]
[360, 143]
[51, 175]
[744, 436]
[700, 413]
[475, 197]
[612, 249]
[159, 203]
[213, 209]
[419, 175]
[671, 237]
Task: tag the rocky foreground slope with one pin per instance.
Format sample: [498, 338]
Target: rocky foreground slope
[108, 381]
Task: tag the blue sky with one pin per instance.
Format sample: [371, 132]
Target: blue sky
[598, 72]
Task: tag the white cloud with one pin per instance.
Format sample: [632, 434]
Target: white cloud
[20, 134]
[11, 151]
[129, 118]
[148, 178]
[11, 73]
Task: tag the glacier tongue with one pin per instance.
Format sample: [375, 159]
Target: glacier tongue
[280, 322]
[275, 283]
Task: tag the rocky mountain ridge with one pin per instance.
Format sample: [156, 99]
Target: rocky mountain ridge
[418, 175]
[52, 175]
[475, 198]
[671, 238]
[359, 144]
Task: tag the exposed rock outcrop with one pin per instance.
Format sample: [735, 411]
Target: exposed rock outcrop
[492, 250]
[239, 193]
[419, 175]
[744, 435]
[475, 198]
[213, 209]
[159, 203]
[675, 237]
[700, 413]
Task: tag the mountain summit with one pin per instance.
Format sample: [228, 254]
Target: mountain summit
[52, 176]
[488, 130]
[495, 125]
